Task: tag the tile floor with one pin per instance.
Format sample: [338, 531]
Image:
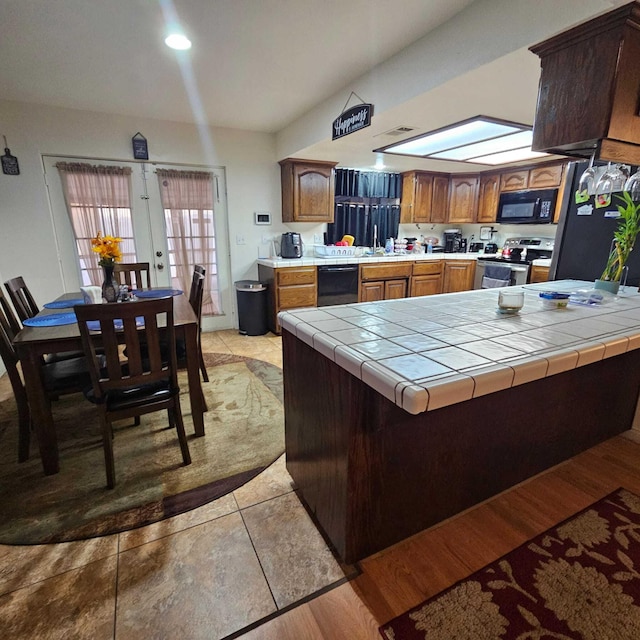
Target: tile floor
[207, 573]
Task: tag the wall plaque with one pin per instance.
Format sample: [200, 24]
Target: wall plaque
[140, 149]
[352, 120]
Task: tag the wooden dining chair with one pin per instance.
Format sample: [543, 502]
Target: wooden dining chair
[146, 381]
[26, 307]
[136, 275]
[21, 298]
[195, 300]
[59, 378]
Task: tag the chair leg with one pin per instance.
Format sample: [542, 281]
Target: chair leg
[107, 442]
[175, 417]
[24, 432]
[203, 368]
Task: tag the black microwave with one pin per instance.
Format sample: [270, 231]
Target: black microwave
[527, 207]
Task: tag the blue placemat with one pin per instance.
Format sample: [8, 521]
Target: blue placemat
[50, 320]
[94, 325]
[64, 304]
[156, 293]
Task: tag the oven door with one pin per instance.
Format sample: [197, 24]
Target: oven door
[518, 276]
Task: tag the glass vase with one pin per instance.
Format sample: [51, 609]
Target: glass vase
[110, 286]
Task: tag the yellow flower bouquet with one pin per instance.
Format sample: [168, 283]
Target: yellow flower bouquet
[108, 248]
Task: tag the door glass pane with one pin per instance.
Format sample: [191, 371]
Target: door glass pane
[187, 199]
[98, 200]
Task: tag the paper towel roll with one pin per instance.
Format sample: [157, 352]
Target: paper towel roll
[91, 295]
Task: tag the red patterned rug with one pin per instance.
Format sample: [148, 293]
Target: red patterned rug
[578, 580]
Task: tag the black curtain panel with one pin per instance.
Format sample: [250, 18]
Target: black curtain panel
[359, 220]
[367, 184]
[365, 199]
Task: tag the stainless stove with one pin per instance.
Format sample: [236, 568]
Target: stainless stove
[518, 253]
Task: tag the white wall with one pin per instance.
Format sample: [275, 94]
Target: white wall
[27, 245]
[485, 31]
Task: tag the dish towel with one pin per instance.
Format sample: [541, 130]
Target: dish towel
[496, 275]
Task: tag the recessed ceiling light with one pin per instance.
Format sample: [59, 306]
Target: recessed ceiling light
[479, 140]
[178, 41]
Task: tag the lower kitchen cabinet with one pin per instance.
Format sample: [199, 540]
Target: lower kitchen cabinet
[458, 275]
[383, 290]
[426, 279]
[288, 288]
[384, 281]
[538, 274]
[372, 291]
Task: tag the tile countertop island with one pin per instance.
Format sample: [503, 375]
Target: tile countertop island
[401, 413]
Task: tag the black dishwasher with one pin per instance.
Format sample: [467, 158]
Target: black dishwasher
[337, 284]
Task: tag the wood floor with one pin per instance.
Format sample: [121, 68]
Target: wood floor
[400, 577]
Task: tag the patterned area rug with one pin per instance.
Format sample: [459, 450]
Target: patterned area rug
[244, 433]
[579, 580]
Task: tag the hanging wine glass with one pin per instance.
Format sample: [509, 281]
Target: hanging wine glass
[587, 183]
[632, 185]
[613, 179]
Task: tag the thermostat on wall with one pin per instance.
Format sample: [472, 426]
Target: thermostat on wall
[263, 217]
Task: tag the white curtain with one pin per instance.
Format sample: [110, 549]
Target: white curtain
[187, 200]
[98, 199]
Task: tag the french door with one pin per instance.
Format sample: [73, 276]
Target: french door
[154, 234]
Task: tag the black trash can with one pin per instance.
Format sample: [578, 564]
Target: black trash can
[252, 307]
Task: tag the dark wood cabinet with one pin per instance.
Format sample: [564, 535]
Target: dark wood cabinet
[439, 198]
[463, 198]
[384, 281]
[288, 288]
[458, 275]
[308, 188]
[515, 180]
[424, 197]
[588, 91]
[546, 176]
[426, 278]
[538, 274]
[488, 197]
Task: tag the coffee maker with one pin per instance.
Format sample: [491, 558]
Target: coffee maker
[452, 241]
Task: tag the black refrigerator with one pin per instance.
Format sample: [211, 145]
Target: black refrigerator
[584, 236]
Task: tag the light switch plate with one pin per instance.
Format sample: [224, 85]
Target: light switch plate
[240, 239]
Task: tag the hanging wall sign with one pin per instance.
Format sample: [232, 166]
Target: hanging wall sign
[351, 120]
[9, 163]
[140, 149]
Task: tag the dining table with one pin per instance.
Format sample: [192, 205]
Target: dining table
[34, 342]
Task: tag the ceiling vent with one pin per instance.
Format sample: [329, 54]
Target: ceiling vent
[398, 131]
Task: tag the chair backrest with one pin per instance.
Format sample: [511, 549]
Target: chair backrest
[145, 328]
[8, 329]
[197, 290]
[134, 274]
[21, 297]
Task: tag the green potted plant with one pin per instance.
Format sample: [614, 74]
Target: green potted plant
[624, 238]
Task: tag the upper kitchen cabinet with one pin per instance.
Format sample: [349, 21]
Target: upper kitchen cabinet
[488, 197]
[463, 198]
[308, 188]
[424, 197]
[545, 176]
[588, 93]
[514, 180]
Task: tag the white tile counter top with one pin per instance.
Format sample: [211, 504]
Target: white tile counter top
[309, 261]
[429, 352]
